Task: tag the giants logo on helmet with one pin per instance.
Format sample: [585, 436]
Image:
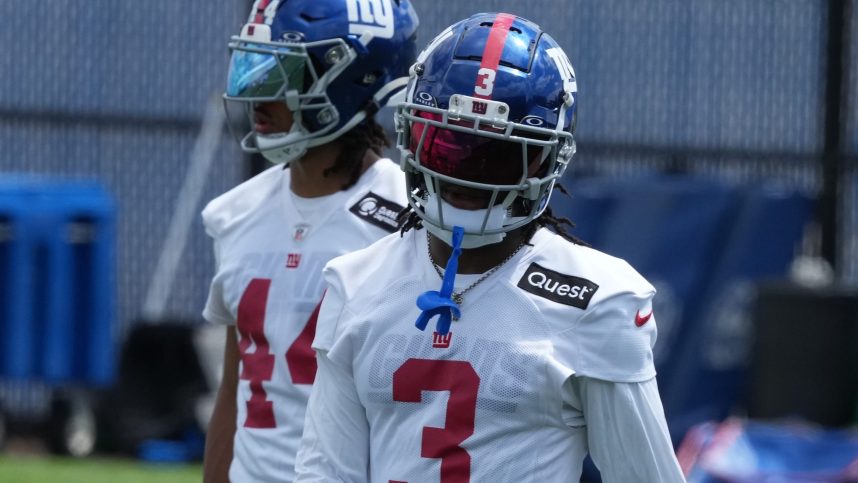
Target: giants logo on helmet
[567, 73]
[373, 17]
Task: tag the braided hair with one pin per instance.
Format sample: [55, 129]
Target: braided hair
[353, 146]
[409, 219]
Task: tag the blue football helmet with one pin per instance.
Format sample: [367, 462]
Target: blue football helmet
[332, 62]
[488, 120]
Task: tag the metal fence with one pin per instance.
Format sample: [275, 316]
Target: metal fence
[117, 91]
[735, 90]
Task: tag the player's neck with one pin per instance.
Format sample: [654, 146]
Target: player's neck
[308, 178]
[481, 259]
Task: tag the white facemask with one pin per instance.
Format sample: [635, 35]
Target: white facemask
[470, 220]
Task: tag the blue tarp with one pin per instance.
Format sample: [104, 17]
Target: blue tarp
[738, 451]
[704, 245]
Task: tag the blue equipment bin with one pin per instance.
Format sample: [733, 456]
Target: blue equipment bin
[16, 281]
[59, 280]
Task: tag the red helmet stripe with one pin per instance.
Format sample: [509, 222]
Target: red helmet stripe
[260, 11]
[492, 53]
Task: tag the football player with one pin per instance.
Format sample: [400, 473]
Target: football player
[310, 76]
[536, 350]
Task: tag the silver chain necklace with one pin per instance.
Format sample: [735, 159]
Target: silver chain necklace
[458, 297]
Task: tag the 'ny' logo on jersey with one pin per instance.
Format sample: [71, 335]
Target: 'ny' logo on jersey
[441, 341]
[293, 260]
[373, 17]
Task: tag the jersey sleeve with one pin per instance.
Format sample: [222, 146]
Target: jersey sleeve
[329, 314]
[332, 336]
[215, 310]
[223, 215]
[626, 430]
[229, 209]
[346, 277]
[335, 444]
[613, 340]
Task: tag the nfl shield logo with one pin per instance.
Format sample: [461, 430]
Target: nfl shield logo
[300, 231]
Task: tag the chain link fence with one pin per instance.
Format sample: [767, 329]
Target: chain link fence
[729, 89]
[117, 91]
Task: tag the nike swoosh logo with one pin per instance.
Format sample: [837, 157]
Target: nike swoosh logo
[641, 320]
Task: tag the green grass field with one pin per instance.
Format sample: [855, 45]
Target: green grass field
[32, 469]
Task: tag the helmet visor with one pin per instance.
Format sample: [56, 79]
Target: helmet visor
[471, 157]
[262, 73]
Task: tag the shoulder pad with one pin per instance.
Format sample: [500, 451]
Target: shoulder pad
[239, 202]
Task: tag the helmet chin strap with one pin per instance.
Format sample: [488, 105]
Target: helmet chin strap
[298, 140]
[468, 241]
[286, 147]
[470, 220]
[282, 154]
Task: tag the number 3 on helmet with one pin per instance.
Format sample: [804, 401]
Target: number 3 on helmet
[332, 62]
[490, 110]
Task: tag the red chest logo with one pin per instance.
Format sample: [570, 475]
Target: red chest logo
[640, 320]
[441, 341]
[293, 260]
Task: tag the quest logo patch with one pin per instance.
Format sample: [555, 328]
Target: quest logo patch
[557, 287]
[378, 211]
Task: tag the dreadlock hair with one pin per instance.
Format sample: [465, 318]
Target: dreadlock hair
[409, 219]
[353, 146]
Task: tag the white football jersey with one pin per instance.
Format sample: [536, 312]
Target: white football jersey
[504, 397]
[270, 248]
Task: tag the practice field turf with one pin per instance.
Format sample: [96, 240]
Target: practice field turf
[38, 469]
